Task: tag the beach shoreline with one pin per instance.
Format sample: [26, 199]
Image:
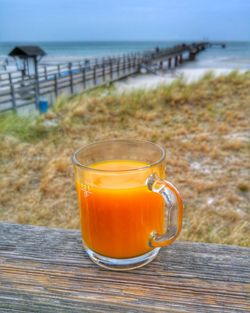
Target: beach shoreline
[188, 75]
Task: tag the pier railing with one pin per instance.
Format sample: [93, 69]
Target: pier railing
[17, 90]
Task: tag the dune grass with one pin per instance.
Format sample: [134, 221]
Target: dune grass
[25, 128]
[204, 127]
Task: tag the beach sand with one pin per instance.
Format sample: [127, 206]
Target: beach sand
[150, 81]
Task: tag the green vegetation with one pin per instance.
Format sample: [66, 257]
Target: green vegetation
[204, 127]
[25, 128]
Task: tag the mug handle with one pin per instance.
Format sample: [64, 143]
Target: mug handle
[173, 210]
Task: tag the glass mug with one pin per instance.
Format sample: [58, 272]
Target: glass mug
[128, 210]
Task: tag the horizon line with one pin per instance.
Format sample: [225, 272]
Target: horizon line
[125, 40]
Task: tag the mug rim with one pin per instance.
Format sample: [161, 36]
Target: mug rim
[86, 167]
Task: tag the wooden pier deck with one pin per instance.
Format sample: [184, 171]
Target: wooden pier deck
[46, 270]
[17, 91]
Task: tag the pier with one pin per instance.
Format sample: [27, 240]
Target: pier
[18, 90]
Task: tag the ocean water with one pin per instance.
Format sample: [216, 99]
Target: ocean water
[236, 54]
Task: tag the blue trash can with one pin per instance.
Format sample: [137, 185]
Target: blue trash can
[43, 106]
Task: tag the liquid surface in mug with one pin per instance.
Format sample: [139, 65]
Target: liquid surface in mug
[118, 211]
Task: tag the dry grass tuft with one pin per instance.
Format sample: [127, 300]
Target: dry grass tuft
[204, 127]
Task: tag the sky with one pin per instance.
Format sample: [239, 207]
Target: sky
[79, 20]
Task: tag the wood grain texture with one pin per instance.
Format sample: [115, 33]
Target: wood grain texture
[46, 270]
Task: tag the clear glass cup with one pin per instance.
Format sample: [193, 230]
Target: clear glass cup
[128, 210]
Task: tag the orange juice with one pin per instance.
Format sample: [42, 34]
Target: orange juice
[119, 212]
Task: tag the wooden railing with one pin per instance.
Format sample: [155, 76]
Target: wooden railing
[46, 270]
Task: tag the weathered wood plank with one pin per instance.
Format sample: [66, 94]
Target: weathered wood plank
[46, 270]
